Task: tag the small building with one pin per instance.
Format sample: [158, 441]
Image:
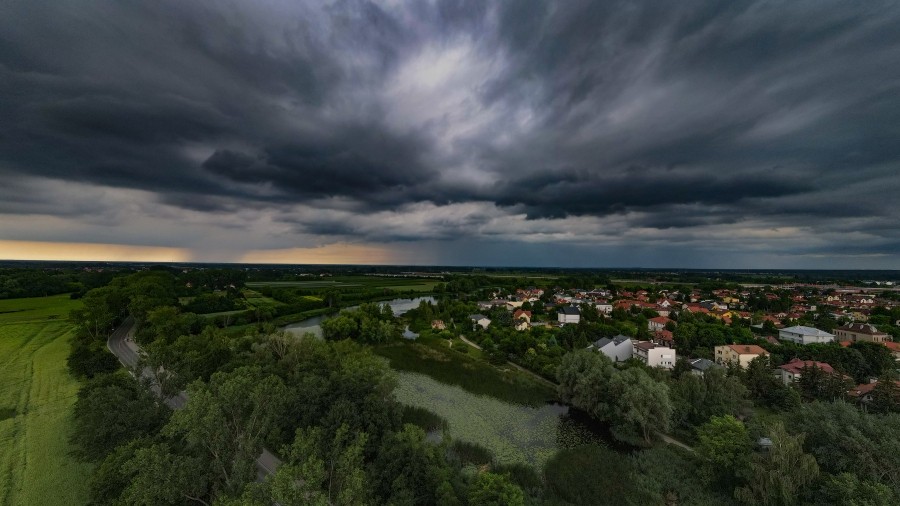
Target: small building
[654, 355]
[604, 307]
[568, 314]
[863, 393]
[791, 371]
[438, 325]
[741, 354]
[522, 314]
[618, 348]
[480, 319]
[860, 332]
[658, 323]
[801, 334]
[664, 338]
[699, 366]
[894, 347]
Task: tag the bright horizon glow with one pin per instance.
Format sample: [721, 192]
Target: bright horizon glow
[86, 252]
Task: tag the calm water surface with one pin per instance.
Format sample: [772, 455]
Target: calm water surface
[399, 306]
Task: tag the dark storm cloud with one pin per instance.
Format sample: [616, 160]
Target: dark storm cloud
[679, 115]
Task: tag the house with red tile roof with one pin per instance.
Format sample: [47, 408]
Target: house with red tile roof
[791, 371]
[658, 323]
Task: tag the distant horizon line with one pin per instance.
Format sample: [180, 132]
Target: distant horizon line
[438, 266]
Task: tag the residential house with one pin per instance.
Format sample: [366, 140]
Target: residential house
[860, 332]
[664, 338]
[654, 355]
[658, 323]
[480, 319]
[741, 354]
[791, 371]
[568, 314]
[699, 366]
[438, 325]
[604, 307]
[522, 319]
[863, 393]
[894, 347]
[618, 348]
[804, 335]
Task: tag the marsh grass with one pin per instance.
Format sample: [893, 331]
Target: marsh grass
[426, 419]
[432, 357]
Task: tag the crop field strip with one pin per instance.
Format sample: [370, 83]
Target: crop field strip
[36, 398]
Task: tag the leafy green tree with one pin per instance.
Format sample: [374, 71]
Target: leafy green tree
[846, 489]
[225, 422]
[98, 314]
[161, 476]
[110, 477]
[409, 470]
[113, 409]
[845, 439]
[885, 397]
[584, 378]
[642, 404]
[780, 475]
[724, 446]
[90, 359]
[322, 471]
[491, 489]
[816, 384]
[695, 399]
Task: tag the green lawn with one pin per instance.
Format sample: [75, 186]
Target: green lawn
[36, 398]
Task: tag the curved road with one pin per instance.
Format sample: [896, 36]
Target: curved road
[128, 353]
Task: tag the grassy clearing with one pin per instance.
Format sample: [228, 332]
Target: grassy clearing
[426, 286]
[256, 299]
[394, 284]
[298, 284]
[432, 357]
[36, 398]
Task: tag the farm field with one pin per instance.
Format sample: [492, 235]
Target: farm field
[395, 284]
[36, 398]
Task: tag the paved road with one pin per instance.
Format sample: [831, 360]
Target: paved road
[121, 345]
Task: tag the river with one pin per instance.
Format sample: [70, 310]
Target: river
[398, 306]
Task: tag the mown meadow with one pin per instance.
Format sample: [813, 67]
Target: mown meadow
[36, 398]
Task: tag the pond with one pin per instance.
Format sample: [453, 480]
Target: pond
[313, 325]
[515, 434]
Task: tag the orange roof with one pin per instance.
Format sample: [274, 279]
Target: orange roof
[797, 365]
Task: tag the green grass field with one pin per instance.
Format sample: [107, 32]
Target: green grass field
[395, 284]
[36, 398]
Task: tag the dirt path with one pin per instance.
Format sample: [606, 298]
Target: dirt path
[672, 441]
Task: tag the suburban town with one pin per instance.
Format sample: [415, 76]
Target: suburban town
[801, 315]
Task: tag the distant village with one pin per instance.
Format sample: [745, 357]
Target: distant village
[797, 314]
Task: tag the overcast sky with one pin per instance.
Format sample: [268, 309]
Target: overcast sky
[657, 134]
